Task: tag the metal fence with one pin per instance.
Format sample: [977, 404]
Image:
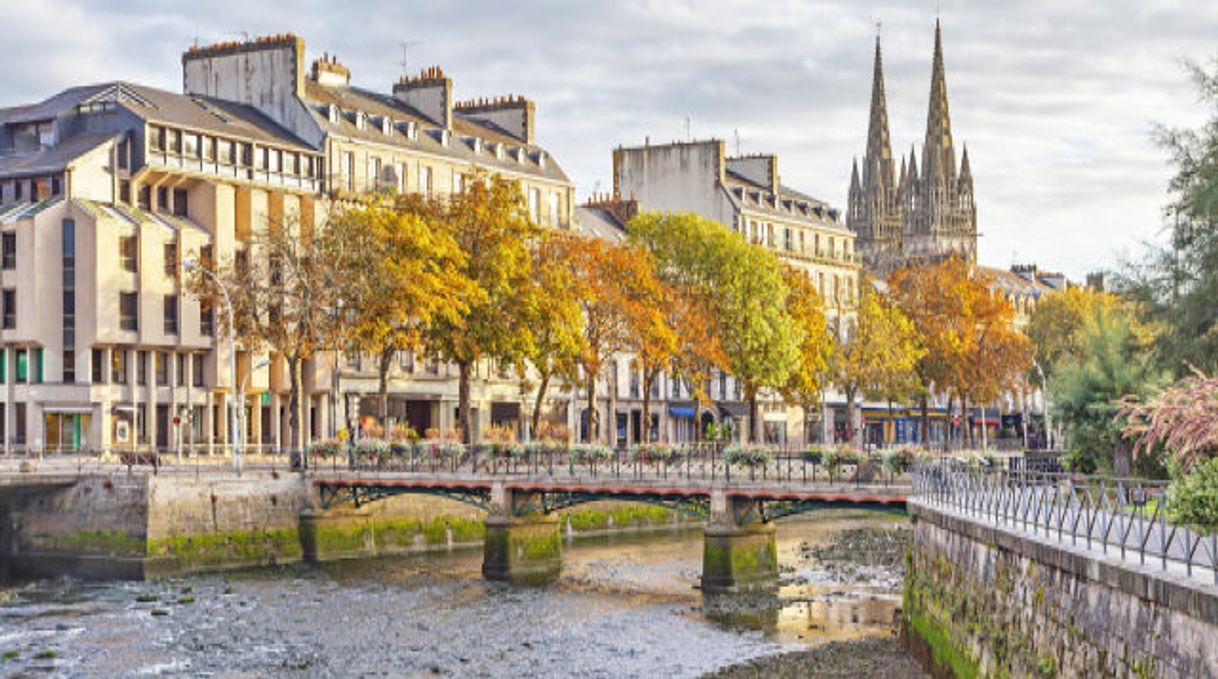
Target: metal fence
[1132, 518]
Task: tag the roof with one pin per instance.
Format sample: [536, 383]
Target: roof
[759, 199]
[51, 160]
[599, 223]
[161, 106]
[1012, 283]
[378, 105]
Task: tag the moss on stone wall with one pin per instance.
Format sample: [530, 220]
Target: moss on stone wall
[218, 550]
[103, 542]
[622, 517]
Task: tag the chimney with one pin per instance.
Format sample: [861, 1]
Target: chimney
[252, 72]
[330, 72]
[430, 93]
[512, 113]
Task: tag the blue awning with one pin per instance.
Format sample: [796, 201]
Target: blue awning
[681, 411]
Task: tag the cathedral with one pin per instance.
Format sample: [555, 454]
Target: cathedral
[921, 211]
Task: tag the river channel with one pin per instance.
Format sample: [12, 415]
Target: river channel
[625, 605]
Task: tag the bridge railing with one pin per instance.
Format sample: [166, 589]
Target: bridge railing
[1132, 518]
[699, 461]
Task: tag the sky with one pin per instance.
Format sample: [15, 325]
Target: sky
[1057, 101]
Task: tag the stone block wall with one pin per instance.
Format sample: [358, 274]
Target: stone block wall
[984, 601]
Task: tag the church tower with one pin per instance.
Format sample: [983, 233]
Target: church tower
[874, 205]
[940, 217]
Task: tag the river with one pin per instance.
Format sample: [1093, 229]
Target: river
[625, 605]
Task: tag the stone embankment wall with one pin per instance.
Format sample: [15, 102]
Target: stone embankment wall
[982, 601]
[141, 525]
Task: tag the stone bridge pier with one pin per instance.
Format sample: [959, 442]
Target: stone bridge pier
[7, 551]
[740, 552]
[523, 543]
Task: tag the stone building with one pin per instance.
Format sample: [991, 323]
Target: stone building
[910, 214]
[745, 194]
[105, 189]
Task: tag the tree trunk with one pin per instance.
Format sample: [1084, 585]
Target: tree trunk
[541, 395]
[850, 415]
[645, 434]
[293, 397]
[964, 419]
[925, 422]
[593, 417]
[950, 434]
[755, 428]
[383, 393]
[467, 433]
[302, 434]
[1122, 459]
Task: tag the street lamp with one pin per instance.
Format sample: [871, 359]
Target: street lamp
[1044, 400]
[232, 361]
[258, 365]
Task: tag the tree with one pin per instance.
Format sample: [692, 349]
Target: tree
[878, 354]
[805, 385]
[284, 290]
[402, 273]
[490, 223]
[1088, 390]
[1056, 324]
[1177, 281]
[556, 320]
[1182, 420]
[620, 297]
[743, 290]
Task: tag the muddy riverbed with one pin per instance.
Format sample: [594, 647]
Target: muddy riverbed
[624, 606]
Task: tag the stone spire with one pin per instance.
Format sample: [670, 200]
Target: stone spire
[938, 157]
[878, 148]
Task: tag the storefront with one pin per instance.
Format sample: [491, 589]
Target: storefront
[66, 429]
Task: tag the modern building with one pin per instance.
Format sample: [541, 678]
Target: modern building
[911, 214]
[106, 189]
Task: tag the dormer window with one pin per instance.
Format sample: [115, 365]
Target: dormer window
[361, 119]
[386, 126]
[541, 159]
[332, 114]
[445, 135]
[412, 130]
[500, 150]
[476, 144]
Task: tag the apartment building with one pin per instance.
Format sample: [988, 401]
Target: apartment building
[104, 190]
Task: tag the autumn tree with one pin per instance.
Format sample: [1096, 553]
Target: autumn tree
[490, 223]
[1057, 323]
[284, 291]
[806, 383]
[996, 356]
[620, 297]
[877, 354]
[555, 320]
[402, 272]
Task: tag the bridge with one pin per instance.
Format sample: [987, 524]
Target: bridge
[736, 503]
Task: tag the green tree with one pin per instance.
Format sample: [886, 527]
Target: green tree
[1113, 365]
[1177, 281]
[744, 292]
[1056, 324]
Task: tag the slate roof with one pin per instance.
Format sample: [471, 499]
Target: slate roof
[599, 223]
[51, 160]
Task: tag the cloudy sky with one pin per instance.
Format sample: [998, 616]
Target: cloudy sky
[1056, 100]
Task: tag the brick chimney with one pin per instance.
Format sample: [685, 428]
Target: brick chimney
[512, 113]
[430, 93]
[330, 72]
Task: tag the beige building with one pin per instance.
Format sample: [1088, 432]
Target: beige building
[105, 189]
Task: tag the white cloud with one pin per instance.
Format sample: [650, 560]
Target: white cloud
[1055, 100]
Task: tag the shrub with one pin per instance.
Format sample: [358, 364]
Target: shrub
[656, 452]
[746, 456]
[326, 450]
[1193, 497]
[588, 453]
[372, 449]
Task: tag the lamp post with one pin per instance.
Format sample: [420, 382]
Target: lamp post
[258, 365]
[1044, 400]
[232, 361]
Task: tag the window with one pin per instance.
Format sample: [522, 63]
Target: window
[171, 141]
[20, 413]
[157, 138]
[374, 172]
[162, 199]
[224, 153]
[179, 203]
[247, 155]
[458, 182]
[171, 259]
[554, 208]
[128, 311]
[205, 257]
[145, 198]
[425, 181]
[10, 250]
[196, 369]
[207, 322]
[69, 366]
[399, 174]
[190, 145]
[161, 368]
[118, 366]
[275, 160]
[535, 205]
[23, 365]
[97, 368]
[181, 369]
[124, 150]
[124, 191]
[38, 365]
[10, 309]
[209, 148]
[349, 171]
[171, 314]
[128, 252]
